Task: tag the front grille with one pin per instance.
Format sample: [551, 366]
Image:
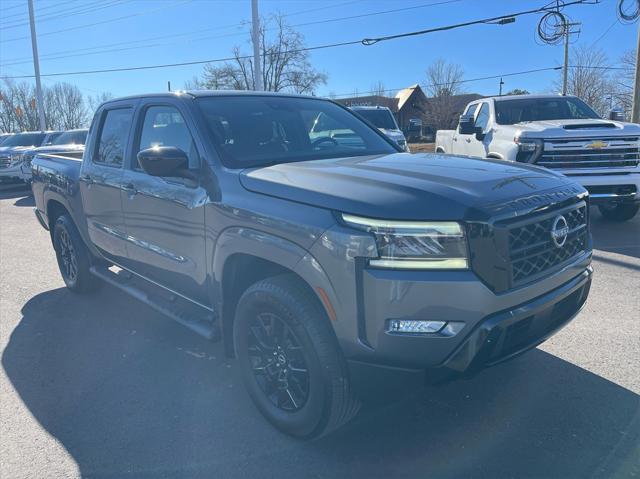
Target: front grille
[532, 250]
[575, 153]
[5, 162]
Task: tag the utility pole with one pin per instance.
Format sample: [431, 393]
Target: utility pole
[501, 83]
[36, 68]
[565, 69]
[169, 85]
[635, 112]
[255, 34]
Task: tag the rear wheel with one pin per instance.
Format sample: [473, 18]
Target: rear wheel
[291, 363]
[619, 212]
[73, 257]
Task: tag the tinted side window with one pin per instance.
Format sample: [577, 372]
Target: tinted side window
[482, 120]
[471, 109]
[113, 137]
[165, 126]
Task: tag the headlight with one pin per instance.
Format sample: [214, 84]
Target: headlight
[528, 149]
[415, 244]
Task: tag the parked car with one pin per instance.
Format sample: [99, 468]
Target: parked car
[15, 146]
[561, 133]
[382, 118]
[4, 136]
[312, 259]
[70, 144]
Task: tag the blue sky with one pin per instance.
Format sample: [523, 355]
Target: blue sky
[191, 30]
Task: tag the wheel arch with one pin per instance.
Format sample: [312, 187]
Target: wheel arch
[244, 256]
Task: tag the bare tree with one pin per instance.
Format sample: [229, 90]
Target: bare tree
[443, 83]
[69, 107]
[589, 78]
[64, 106]
[518, 91]
[623, 83]
[378, 89]
[285, 63]
[93, 102]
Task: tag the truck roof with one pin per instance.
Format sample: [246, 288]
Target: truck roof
[210, 93]
[533, 97]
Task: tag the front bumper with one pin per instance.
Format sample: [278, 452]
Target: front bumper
[609, 188]
[507, 334]
[14, 171]
[518, 319]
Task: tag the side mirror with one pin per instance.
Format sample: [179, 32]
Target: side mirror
[616, 115]
[466, 125]
[164, 161]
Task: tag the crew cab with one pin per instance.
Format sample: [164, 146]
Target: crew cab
[561, 133]
[310, 258]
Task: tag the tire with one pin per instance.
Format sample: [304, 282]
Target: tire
[302, 405]
[74, 259]
[619, 212]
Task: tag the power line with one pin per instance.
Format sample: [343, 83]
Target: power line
[87, 8]
[546, 8]
[56, 56]
[145, 12]
[40, 9]
[366, 42]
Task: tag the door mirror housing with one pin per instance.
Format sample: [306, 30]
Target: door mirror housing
[466, 125]
[164, 161]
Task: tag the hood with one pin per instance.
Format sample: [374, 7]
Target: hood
[413, 187]
[564, 128]
[14, 149]
[51, 149]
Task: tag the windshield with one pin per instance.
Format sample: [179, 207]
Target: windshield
[510, 112]
[25, 139]
[380, 118]
[263, 130]
[75, 137]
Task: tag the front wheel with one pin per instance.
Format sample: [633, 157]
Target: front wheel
[619, 212]
[73, 257]
[291, 363]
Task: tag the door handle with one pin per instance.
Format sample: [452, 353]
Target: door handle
[468, 140]
[455, 138]
[87, 179]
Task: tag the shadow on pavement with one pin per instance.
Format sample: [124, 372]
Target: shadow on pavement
[10, 192]
[621, 238]
[129, 393]
[25, 201]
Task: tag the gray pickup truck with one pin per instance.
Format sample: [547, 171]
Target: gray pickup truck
[313, 258]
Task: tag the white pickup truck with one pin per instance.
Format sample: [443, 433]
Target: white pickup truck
[558, 132]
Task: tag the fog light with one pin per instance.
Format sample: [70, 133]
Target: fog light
[413, 326]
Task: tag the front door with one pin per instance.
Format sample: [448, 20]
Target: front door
[164, 217]
[101, 180]
[478, 146]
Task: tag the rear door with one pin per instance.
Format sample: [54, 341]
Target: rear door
[165, 216]
[101, 179]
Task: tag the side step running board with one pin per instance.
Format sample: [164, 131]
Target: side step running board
[184, 312]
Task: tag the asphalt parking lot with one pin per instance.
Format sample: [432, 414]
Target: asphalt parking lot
[101, 386]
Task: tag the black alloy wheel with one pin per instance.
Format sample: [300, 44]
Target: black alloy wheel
[278, 362]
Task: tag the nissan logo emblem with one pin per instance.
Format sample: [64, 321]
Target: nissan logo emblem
[559, 231]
